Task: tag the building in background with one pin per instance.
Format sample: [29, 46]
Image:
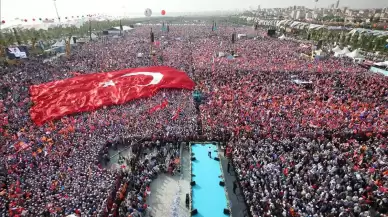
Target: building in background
[300, 15]
[293, 14]
[309, 16]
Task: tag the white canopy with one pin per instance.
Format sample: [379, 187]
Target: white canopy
[354, 54]
[336, 49]
[59, 44]
[282, 37]
[382, 63]
[125, 28]
[339, 54]
[342, 52]
[345, 51]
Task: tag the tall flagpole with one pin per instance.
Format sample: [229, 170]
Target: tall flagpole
[90, 29]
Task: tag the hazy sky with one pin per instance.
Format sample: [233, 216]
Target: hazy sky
[45, 8]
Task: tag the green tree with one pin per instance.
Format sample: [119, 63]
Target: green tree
[354, 40]
[17, 36]
[35, 36]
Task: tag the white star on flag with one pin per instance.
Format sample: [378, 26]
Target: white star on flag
[108, 83]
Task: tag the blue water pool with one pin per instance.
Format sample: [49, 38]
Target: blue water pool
[208, 197]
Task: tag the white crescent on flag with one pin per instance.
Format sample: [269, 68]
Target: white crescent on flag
[156, 76]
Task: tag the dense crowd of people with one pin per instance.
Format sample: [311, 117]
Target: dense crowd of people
[306, 177]
[284, 133]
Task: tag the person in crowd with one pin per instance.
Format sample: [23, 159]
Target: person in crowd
[298, 150]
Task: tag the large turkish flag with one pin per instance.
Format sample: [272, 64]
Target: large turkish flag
[88, 92]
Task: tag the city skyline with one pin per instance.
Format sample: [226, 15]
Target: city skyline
[45, 8]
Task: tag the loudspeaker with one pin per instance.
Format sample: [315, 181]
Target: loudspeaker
[187, 200]
[105, 32]
[227, 211]
[192, 183]
[168, 28]
[75, 40]
[152, 37]
[194, 212]
[216, 159]
[271, 32]
[319, 45]
[222, 183]
[193, 158]
[308, 37]
[233, 38]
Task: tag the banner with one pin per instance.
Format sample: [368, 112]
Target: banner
[20, 52]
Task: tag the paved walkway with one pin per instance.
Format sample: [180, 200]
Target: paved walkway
[170, 191]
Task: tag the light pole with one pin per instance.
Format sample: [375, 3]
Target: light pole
[1, 20]
[56, 10]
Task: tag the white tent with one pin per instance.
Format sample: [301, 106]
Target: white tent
[342, 53]
[354, 54]
[59, 44]
[382, 63]
[282, 37]
[125, 28]
[336, 49]
[345, 51]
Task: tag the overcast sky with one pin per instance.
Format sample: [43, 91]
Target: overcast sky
[45, 8]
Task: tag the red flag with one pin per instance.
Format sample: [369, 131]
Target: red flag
[285, 171]
[162, 105]
[177, 112]
[88, 92]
